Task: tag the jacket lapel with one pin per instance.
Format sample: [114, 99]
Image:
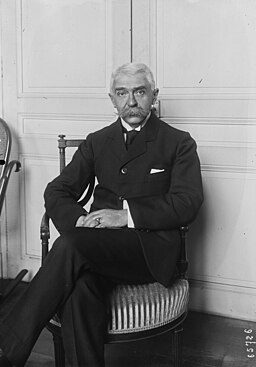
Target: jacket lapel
[116, 140]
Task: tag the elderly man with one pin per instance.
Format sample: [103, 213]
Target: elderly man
[149, 184]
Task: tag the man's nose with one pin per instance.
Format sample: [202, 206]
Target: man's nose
[131, 100]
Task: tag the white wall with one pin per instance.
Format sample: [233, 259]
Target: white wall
[205, 61]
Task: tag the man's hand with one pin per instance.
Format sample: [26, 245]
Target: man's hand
[105, 218]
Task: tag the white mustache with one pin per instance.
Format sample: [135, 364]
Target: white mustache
[133, 112]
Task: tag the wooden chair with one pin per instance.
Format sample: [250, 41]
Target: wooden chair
[6, 169]
[137, 311]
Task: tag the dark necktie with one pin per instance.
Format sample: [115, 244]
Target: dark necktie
[130, 136]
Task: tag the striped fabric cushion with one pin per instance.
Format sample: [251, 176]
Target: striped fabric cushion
[143, 307]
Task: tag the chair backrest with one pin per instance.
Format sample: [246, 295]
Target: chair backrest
[72, 143]
[182, 263]
[6, 166]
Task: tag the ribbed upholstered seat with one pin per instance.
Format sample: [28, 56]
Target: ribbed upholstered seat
[142, 307]
[136, 311]
[137, 308]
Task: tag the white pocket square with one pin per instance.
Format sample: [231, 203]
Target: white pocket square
[156, 170]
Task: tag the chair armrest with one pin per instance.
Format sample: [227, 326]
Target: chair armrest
[182, 263]
[10, 166]
[5, 179]
[45, 235]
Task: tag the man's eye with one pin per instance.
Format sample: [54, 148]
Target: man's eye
[121, 93]
[140, 92]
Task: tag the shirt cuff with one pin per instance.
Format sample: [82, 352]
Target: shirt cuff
[130, 221]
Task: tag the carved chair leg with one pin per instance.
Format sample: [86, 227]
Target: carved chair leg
[59, 352]
[177, 339]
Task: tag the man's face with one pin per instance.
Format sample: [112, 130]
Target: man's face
[133, 97]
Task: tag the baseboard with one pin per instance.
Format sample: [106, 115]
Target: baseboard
[223, 299]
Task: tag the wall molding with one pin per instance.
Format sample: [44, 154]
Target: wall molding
[222, 281]
[183, 94]
[218, 132]
[231, 121]
[37, 91]
[56, 117]
[228, 169]
[223, 299]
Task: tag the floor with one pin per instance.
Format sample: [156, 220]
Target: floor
[209, 341]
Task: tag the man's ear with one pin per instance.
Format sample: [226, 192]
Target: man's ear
[112, 99]
[155, 94]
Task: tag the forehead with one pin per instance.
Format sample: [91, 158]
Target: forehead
[130, 81]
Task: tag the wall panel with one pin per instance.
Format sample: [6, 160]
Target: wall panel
[35, 169]
[211, 47]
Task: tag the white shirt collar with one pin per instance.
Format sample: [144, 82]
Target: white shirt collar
[128, 127]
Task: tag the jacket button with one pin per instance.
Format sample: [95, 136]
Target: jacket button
[124, 170]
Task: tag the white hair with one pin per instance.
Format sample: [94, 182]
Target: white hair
[132, 68]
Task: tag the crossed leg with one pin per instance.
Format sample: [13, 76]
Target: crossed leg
[79, 271]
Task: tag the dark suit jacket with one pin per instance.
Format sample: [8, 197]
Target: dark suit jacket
[159, 202]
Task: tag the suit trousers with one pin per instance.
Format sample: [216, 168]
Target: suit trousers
[80, 270]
